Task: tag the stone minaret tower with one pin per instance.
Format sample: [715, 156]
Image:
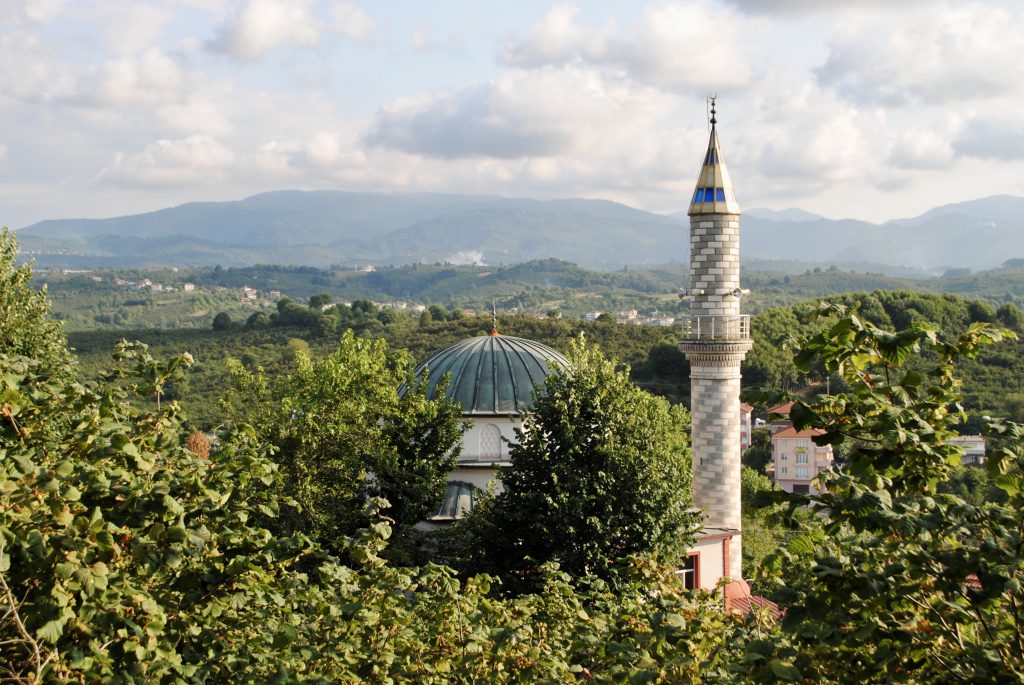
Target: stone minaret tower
[715, 342]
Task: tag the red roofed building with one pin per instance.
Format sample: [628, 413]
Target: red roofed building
[797, 460]
[778, 417]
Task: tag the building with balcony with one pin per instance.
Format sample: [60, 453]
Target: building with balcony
[796, 460]
[973, 447]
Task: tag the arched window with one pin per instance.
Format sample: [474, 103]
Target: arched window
[490, 443]
[457, 501]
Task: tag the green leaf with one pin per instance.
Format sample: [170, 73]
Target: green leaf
[52, 630]
[784, 670]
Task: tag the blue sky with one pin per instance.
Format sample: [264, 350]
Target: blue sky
[871, 109]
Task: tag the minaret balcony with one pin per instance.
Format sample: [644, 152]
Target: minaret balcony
[717, 328]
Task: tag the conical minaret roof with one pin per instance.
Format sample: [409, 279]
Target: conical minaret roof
[714, 193]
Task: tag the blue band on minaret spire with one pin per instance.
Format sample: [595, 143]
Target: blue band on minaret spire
[714, 193]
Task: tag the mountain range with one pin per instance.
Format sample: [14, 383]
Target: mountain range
[322, 228]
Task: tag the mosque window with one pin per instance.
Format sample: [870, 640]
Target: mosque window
[719, 194]
[490, 443]
[458, 501]
[709, 195]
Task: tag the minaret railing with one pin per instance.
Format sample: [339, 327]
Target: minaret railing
[710, 327]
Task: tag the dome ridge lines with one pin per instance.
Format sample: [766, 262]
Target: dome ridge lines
[482, 353]
[512, 376]
[481, 382]
[456, 375]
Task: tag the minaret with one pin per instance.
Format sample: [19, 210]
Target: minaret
[715, 342]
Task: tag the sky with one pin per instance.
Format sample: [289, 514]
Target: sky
[869, 109]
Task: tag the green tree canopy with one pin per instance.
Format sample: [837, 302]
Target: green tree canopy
[893, 581]
[601, 471]
[25, 326]
[343, 432]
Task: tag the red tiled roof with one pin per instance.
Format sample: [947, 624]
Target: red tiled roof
[794, 433]
[783, 409]
[745, 408]
[747, 605]
[739, 599]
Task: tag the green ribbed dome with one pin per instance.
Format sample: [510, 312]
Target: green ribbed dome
[491, 374]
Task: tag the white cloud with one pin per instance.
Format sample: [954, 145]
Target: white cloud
[198, 113]
[994, 139]
[351, 21]
[145, 80]
[30, 12]
[795, 140]
[921, 148]
[43, 10]
[812, 6]
[323, 149]
[518, 114]
[558, 39]
[423, 40]
[257, 27]
[944, 55]
[671, 46]
[128, 26]
[29, 70]
[190, 160]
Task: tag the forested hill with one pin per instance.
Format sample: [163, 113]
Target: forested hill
[103, 299]
[323, 228]
[994, 382]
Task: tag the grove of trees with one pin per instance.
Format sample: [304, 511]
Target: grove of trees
[127, 557]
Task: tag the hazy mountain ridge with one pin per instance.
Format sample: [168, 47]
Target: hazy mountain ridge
[321, 228]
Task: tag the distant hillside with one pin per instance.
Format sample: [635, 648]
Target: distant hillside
[979, 234]
[323, 228]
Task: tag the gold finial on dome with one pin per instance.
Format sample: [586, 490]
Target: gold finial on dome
[494, 319]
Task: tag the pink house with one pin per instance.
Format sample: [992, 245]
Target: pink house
[797, 460]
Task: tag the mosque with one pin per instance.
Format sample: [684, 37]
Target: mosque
[493, 377]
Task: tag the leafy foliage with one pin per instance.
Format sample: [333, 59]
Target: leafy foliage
[25, 326]
[601, 470]
[343, 431]
[892, 581]
[127, 558]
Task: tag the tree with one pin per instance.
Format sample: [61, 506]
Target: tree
[25, 326]
[759, 454]
[601, 471]
[126, 558]
[257, 320]
[344, 432]
[893, 581]
[319, 301]
[223, 322]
